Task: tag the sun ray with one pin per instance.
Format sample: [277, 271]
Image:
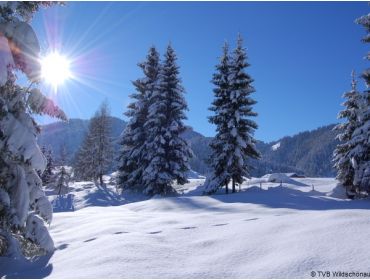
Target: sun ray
[55, 69]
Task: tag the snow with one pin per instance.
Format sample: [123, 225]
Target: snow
[21, 141]
[275, 178]
[27, 49]
[275, 232]
[6, 60]
[275, 146]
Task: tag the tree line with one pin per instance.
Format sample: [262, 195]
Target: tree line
[153, 155]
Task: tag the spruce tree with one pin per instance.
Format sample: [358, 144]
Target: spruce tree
[219, 145]
[47, 175]
[352, 156]
[240, 112]
[166, 151]
[342, 156]
[62, 176]
[361, 136]
[360, 153]
[132, 160]
[233, 145]
[24, 208]
[83, 170]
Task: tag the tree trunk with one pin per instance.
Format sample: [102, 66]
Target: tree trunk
[227, 188]
[101, 179]
[233, 185]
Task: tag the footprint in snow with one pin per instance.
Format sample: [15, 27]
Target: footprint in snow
[62, 247]
[154, 232]
[89, 240]
[120, 232]
[220, 225]
[253, 219]
[188, 227]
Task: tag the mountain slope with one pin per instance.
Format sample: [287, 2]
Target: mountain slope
[72, 133]
[308, 152]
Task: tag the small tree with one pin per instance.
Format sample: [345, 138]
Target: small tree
[62, 176]
[102, 148]
[47, 175]
[95, 155]
[83, 168]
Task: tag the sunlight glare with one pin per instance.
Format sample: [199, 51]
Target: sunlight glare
[55, 69]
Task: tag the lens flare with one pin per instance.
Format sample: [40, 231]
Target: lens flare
[55, 69]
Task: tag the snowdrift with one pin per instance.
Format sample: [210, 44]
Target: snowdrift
[273, 232]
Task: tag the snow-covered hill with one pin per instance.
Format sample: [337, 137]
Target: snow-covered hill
[273, 232]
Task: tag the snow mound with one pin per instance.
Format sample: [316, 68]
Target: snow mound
[280, 178]
[274, 233]
[338, 192]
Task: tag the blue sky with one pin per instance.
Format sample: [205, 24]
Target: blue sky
[301, 55]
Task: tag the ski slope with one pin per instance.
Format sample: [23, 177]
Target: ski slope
[273, 232]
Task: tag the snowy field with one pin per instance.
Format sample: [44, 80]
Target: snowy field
[275, 232]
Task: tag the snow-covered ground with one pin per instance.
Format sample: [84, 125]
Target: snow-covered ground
[273, 232]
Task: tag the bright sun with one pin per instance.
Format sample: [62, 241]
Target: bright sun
[55, 69]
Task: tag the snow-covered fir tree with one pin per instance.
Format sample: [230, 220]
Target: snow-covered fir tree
[95, 155]
[360, 153]
[240, 121]
[361, 136]
[166, 151]
[220, 152]
[62, 176]
[233, 144]
[24, 208]
[352, 155]
[342, 155]
[47, 175]
[132, 159]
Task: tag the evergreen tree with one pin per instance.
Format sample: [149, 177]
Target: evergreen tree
[24, 208]
[167, 153]
[361, 136]
[360, 153]
[47, 175]
[132, 160]
[62, 176]
[94, 157]
[83, 169]
[219, 144]
[352, 156]
[342, 158]
[233, 144]
[242, 142]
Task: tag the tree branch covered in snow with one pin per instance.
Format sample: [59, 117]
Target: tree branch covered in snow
[25, 209]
